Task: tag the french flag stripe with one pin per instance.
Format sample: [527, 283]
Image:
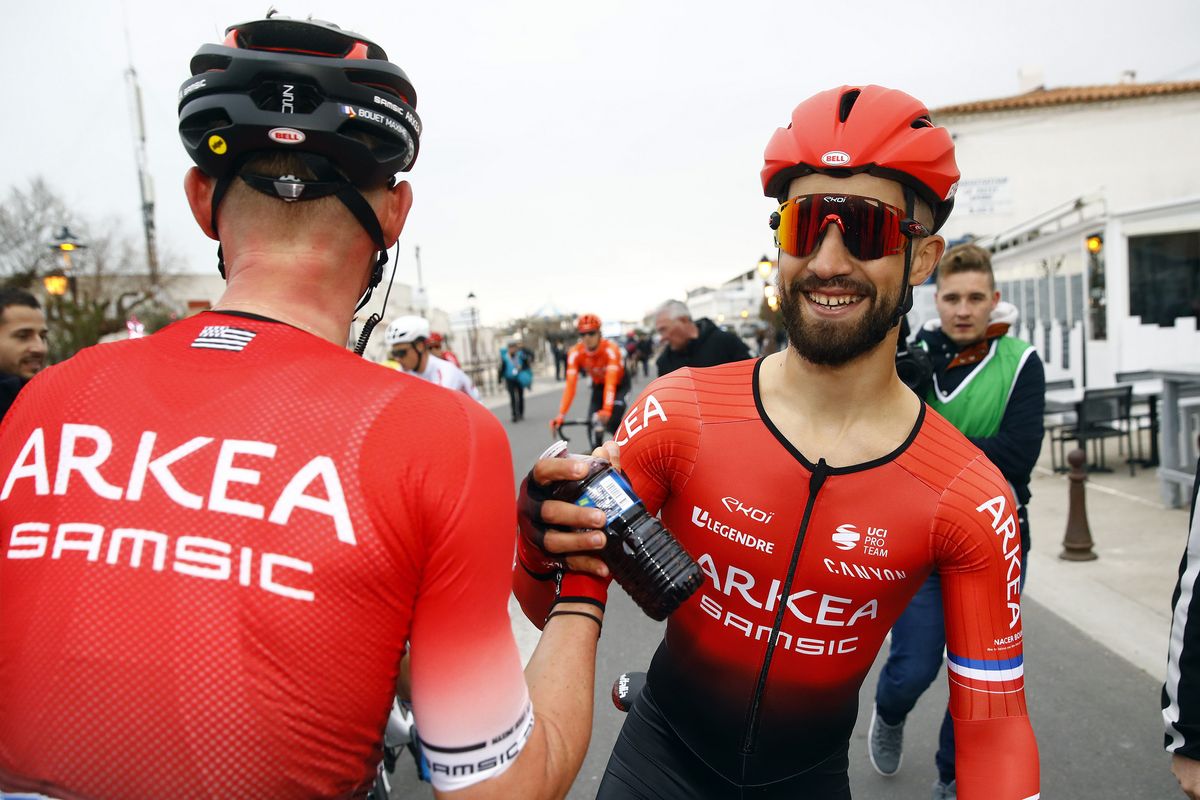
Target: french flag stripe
[987, 670]
[984, 663]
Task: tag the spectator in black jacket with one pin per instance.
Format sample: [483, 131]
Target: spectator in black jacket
[693, 344]
[22, 343]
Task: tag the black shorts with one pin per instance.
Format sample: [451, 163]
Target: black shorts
[650, 762]
[597, 403]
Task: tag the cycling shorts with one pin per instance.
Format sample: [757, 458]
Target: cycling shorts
[650, 762]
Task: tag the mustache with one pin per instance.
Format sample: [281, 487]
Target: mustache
[812, 283]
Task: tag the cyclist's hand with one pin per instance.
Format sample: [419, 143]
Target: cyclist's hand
[603, 416]
[555, 534]
[557, 422]
[610, 451]
[1187, 772]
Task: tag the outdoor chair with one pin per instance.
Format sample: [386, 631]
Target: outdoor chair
[1102, 414]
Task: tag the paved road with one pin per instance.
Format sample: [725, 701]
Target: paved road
[1095, 715]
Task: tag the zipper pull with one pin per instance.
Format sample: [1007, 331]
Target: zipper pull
[819, 474]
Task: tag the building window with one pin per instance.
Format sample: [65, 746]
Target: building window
[1164, 277]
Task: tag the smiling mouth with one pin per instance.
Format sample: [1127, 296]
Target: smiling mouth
[832, 301]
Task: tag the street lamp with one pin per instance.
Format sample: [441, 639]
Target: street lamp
[474, 328]
[765, 265]
[64, 244]
[56, 283]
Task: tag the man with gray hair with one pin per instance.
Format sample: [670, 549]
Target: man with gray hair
[689, 343]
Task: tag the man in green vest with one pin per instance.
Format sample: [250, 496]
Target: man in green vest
[992, 387]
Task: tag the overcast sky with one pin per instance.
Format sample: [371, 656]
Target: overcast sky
[599, 156]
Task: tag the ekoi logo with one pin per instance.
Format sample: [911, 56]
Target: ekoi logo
[846, 537]
[757, 514]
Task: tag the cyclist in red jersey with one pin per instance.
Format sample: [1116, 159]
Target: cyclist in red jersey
[603, 362]
[437, 346]
[817, 492]
[215, 542]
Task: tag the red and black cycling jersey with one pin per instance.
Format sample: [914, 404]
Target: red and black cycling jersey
[808, 566]
[215, 543]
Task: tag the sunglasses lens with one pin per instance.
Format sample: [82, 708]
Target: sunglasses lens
[870, 229]
[400, 352]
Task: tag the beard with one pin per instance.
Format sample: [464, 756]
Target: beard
[831, 343]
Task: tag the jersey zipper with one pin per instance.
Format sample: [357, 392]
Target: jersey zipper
[819, 474]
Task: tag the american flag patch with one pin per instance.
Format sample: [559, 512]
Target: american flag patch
[223, 337]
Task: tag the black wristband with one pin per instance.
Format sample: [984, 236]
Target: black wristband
[589, 600]
[564, 613]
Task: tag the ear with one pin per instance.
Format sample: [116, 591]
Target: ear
[925, 259]
[395, 211]
[199, 190]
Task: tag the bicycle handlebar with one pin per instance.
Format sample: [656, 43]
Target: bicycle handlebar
[559, 430]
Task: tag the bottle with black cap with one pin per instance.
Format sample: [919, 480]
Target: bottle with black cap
[645, 558]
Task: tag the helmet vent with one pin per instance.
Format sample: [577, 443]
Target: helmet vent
[195, 127]
[922, 122]
[847, 104]
[382, 148]
[286, 95]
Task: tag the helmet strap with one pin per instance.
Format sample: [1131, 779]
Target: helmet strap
[906, 293]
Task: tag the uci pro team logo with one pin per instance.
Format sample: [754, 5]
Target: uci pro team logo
[846, 537]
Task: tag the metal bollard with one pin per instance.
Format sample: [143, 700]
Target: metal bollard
[1077, 541]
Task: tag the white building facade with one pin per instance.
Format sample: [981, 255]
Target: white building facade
[1046, 173]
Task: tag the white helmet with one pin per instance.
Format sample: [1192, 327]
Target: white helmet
[407, 329]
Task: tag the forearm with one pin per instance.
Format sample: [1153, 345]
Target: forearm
[997, 759]
[561, 675]
[611, 380]
[561, 680]
[568, 395]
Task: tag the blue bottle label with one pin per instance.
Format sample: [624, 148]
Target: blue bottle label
[611, 494]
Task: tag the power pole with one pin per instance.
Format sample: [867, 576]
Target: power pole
[145, 184]
[419, 301]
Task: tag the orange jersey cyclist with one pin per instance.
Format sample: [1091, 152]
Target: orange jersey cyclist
[604, 362]
[817, 492]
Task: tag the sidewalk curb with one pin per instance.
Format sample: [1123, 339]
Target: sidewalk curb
[1123, 598]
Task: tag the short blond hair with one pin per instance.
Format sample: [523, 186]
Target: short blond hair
[966, 258]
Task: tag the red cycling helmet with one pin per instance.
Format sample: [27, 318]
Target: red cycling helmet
[435, 338]
[871, 129]
[587, 323]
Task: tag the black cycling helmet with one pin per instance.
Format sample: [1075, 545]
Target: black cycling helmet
[310, 88]
[307, 85]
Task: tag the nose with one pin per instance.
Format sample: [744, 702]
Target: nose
[39, 346]
[831, 256]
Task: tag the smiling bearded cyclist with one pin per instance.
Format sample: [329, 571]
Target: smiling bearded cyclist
[248, 522]
[816, 492]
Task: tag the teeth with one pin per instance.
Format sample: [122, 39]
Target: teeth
[832, 302]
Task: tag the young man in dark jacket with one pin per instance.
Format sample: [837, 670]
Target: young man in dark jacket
[693, 344]
[992, 387]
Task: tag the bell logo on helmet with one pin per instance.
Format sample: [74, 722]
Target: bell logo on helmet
[285, 135]
[835, 158]
[217, 145]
